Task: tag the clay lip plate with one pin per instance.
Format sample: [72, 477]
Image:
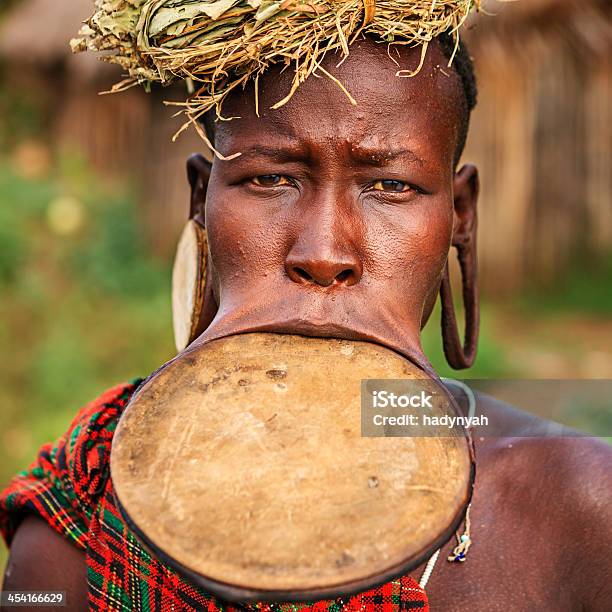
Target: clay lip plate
[242, 466]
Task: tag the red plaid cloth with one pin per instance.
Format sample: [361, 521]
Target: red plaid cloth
[69, 487]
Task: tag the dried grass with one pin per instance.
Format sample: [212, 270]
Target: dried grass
[218, 45]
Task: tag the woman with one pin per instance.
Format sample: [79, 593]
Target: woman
[337, 220]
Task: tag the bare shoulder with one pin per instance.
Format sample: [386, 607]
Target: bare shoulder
[562, 481]
[553, 443]
[555, 459]
[42, 560]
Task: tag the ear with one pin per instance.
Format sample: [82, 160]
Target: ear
[465, 195]
[198, 174]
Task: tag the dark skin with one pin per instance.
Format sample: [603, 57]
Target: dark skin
[337, 220]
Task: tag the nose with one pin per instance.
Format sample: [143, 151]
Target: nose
[325, 251]
[323, 271]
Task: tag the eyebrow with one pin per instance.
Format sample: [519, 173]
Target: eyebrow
[367, 156]
[279, 154]
[381, 157]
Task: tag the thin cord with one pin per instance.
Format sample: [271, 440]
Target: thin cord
[469, 394]
[429, 569]
[464, 541]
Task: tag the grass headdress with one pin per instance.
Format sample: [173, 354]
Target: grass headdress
[218, 45]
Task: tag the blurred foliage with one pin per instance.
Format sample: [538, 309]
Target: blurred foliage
[584, 287]
[83, 305]
[5, 5]
[22, 110]
[491, 361]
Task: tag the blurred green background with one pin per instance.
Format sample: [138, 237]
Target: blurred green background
[92, 195]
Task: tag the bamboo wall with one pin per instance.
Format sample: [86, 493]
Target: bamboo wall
[542, 138]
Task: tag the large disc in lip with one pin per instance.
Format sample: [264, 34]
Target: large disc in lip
[241, 464]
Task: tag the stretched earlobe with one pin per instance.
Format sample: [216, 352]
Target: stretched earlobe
[198, 174]
[459, 354]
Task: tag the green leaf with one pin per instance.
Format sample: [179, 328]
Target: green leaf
[267, 9]
[170, 18]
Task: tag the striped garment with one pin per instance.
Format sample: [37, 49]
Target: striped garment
[69, 487]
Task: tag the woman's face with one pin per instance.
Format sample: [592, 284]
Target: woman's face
[337, 219]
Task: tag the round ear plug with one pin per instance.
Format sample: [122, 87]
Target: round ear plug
[188, 283]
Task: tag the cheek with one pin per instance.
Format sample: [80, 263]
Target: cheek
[244, 240]
[408, 244]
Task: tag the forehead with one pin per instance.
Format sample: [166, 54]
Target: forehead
[420, 113]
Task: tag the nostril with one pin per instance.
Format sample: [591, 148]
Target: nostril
[302, 274]
[324, 273]
[344, 276]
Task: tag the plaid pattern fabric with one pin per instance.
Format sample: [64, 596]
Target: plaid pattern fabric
[69, 487]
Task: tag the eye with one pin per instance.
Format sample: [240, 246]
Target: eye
[392, 186]
[271, 180]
